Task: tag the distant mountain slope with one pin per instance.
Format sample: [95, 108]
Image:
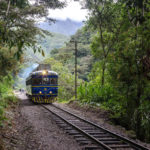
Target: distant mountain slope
[57, 40]
[65, 55]
[48, 43]
[67, 27]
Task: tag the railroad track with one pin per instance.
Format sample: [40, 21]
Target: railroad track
[89, 135]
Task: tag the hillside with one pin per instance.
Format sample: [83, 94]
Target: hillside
[48, 43]
[60, 30]
[67, 27]
[66, 54]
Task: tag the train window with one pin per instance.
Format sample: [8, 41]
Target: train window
[45, 80]
[36, 81]
[28, 82]
[53, 81]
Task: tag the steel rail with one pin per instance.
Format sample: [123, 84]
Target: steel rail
[102, 145]
[128, 141]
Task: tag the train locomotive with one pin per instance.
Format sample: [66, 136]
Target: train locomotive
[42, 86]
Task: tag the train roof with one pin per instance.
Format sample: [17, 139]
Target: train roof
[40, 73]
[48, 72]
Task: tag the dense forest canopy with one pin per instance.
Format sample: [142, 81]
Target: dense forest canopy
[18, 32]
[17, 22]
[121, 72]
[113, 61]
[113, 56]
[66, 54]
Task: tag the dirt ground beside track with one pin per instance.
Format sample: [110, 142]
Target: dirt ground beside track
[32, 128]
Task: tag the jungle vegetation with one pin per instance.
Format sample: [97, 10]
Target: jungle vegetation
[66, 54]
[120, 77]
[114, 61]
[113, 56]
[18, 32]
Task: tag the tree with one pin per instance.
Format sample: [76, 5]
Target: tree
[121, 50]
[18, 31]
[17, 22]
[130, 64]
[103, 18]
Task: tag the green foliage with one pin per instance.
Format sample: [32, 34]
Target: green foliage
[66, 54]
[6, 96]
[46, 44]
[95, 93]
[7, 62]
[119, 79]
[145, 114]
[65, 80]
[104, 18]
[17, 23]
[55, 40]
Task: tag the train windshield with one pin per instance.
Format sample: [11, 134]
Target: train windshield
[46, 80]
[53, 81]
[36, 81]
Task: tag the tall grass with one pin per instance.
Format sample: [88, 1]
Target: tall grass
[6, 96]
[95, 93]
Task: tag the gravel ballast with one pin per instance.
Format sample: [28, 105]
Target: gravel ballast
[33, 128]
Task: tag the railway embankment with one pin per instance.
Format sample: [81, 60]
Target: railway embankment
[32, 128]
[101, 118]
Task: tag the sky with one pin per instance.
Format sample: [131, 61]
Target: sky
[72, 11]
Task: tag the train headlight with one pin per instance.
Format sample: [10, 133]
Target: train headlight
[40, 92]
[44, 72]
[50, 92]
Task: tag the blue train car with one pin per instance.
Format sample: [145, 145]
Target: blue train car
[42, 86]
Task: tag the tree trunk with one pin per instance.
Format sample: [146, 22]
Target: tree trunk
[8, 8]
[103, 74]
[104, 54]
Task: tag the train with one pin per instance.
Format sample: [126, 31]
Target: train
[42, 85]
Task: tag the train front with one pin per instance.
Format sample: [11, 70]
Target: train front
[44, 86]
